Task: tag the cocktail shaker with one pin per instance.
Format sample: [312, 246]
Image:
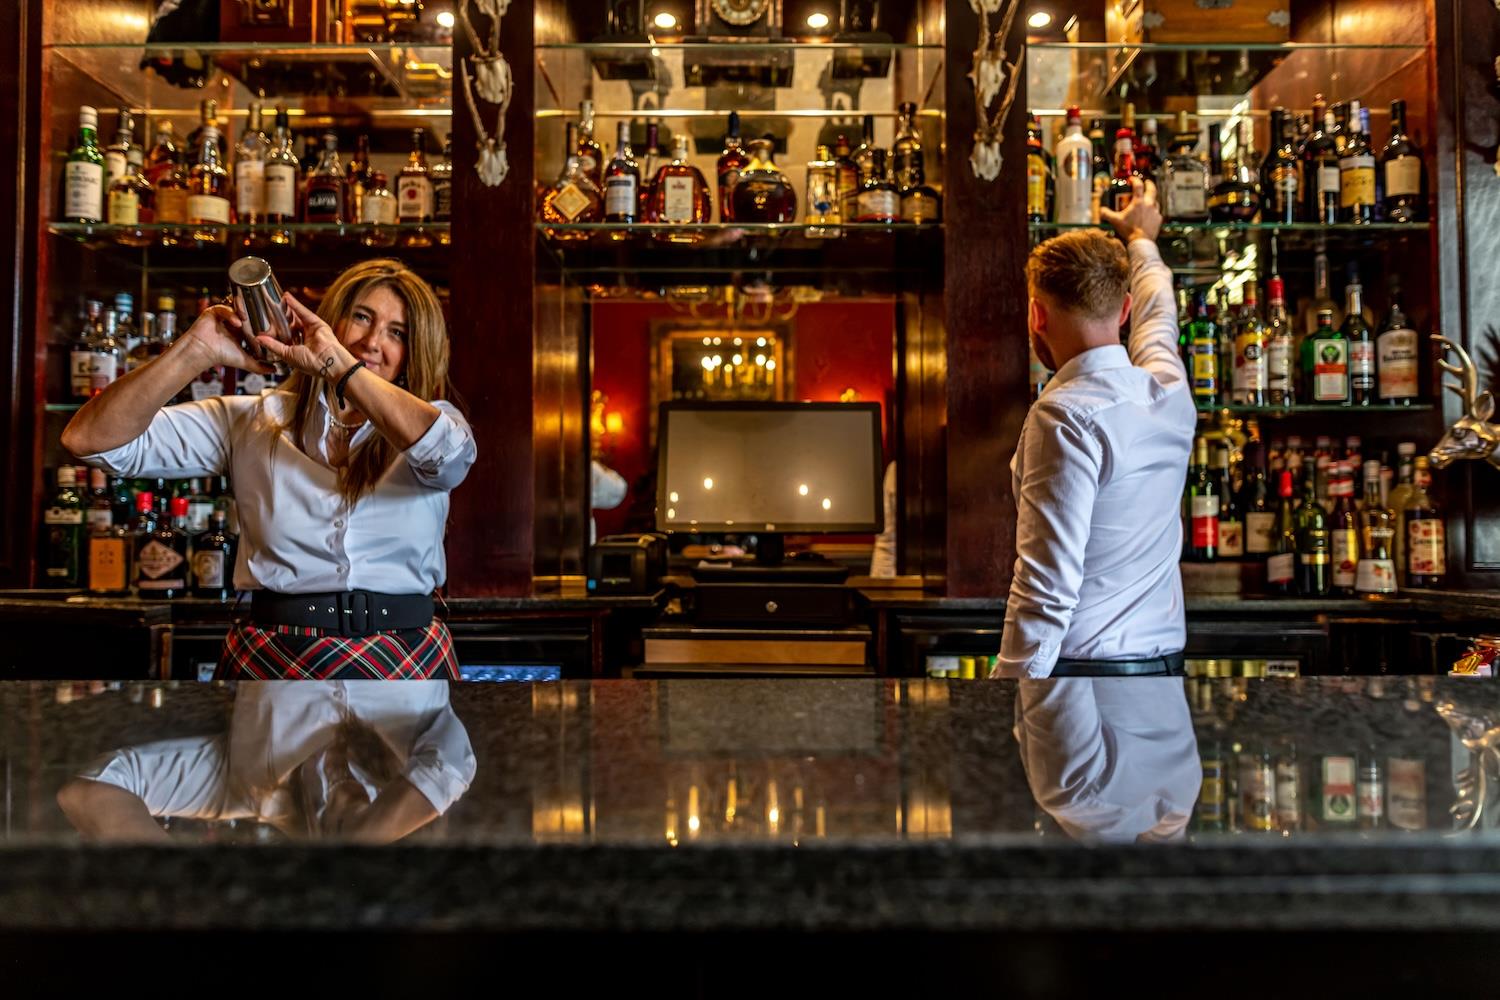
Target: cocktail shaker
[257, 288]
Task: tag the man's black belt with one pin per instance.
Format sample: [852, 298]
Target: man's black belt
[1170, 665]
[350, 613]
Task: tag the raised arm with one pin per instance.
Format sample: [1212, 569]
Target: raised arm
[1153, 311]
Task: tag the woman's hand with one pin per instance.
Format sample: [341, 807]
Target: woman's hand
[317, 353]
[215, 335]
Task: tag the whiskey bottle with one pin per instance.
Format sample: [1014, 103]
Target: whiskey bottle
[131, 203]
[1405, 175]
[1321, 168]
[907, 166]
[117, 153]
[1376, 572]
[1362, 387]
[1184, 177]
[325, 198]
[1426, 543]
[572, 198]
[1117, 195]
[1396, 352]
[1148, 160]
[414, 186]
[442, 191]
[359, 176]
[649, 166]
[171, 198]
[1280, 174]
[208, 191]
[83, 174]
[80, 354]
[106, 354]
[1357, 172]
[1236, 198]
[1325, 363]
[250, 155]
[108, 560]
[622, 181]
[1037, 207]
[922, 204]
[1281, 368]
[864, 153]
[281, 175]
[590, 153]
[680, 195]
[1073, 162]
[208, 117]
[378, 211]
[848, 180]
[824, 211]
[763, 194]
[1100, 171]
[731, 161]
[1344, 547]
[164, 152]
[878, 201]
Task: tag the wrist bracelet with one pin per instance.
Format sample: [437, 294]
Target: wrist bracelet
[338, 390]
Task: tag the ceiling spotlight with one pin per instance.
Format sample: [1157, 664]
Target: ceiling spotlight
[665, 20]
[445, 19]
[1039, 19]
[817, 20]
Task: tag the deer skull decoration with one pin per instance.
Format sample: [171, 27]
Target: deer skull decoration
[992, 72]
[493, 81]
[1472, 435]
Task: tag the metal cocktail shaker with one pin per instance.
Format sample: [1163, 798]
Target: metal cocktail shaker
[257, 288]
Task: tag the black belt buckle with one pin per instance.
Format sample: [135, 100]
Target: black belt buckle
[354, 614]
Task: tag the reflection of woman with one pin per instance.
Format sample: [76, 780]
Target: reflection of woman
[341, 476]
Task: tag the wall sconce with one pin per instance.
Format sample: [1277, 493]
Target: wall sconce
[669, 18]
[605, 426]
[810, 19]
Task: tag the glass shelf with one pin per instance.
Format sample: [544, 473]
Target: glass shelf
[1224, 228]
[1282, 411]
[748, 48]
[62, 407]
[106, 235]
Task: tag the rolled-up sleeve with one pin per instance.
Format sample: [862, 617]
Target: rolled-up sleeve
[441, 458]
[182, 441]
[442, 764]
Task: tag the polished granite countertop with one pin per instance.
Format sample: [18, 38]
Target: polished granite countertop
[691, 805]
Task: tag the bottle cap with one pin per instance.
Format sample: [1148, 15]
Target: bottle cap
[66, 476]
[1406, 448]
[179, 506]
[144, 501]
[88, 117]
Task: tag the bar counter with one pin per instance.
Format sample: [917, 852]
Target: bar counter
[979, 822]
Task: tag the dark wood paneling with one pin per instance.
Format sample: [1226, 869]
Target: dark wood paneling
[985, 319]
[562, 386]
[490, 534]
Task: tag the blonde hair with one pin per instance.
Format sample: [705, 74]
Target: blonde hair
[424, 372]
[1083, 271]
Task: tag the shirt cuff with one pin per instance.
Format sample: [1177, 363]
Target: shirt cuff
[443, 442]
[439, 782]
[115, 462]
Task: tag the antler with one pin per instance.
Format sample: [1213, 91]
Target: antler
[463, 18]
[463, 70]
[1469, 390]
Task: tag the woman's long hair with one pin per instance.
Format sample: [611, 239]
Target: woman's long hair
[424, 373]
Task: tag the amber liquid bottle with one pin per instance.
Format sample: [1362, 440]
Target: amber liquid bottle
[731, 162]
[679, 195]
[325, 185]
[763, 194]
[572, 198]
[208, 191]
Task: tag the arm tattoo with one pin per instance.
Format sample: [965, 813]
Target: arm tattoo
[327, 364]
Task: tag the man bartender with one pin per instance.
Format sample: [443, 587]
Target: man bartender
[1099, 469]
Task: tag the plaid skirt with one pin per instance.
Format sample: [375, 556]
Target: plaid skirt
[292, 653]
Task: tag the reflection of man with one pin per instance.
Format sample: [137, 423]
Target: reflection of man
[1099, 469]
[883, 559]
[607, 490]
[358, 761]
[1111, 758]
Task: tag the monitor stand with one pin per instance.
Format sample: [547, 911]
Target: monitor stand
[772, 566]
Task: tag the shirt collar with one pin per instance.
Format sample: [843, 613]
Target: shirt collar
[1095, 359]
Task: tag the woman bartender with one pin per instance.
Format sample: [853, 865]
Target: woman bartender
[342, 474]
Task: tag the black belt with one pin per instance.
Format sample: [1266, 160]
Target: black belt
[1170, 665]
[347, 613]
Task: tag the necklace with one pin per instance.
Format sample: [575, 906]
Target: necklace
[341, 425]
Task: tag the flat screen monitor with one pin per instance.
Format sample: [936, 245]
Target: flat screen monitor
[783, 468]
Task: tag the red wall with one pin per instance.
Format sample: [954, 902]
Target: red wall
[836, 346]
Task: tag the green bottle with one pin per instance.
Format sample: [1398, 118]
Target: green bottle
[1203, 353]
[1325, 363]
[83, 174]
[1314, 561]
[63, 520]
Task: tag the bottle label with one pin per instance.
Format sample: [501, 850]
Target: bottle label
[1338, 789]
[1186, 194]
[1288, 795]
[1328, 180]
[1345, 556]
[1398, 364]
[250, 187]
[1250, 363]
[281, 190]
[678, 192]
[155, 561]
[1279, 364]
[208, 208]
[1231, 540]
[83, 187]
[378, 210]
[1313, 547]
[1375, 576]
[324, 204]
[201, 389]
[1357, 180]
[80, 365]
[248, 384]
[1036, 187]
[115, 166]
[1075, 188]
[879, 206]
[1403, 176]
[921, 205]
[1406, 782]
[103, 369]
[63, 515]
[124, 208]
[99, 519]
[1330, 370]
[1371, 796]
[1280, 568]
[1362, 364]
[171, 204]
[1205, 367]
[200, 509]
[414, 199]
[1259, 526]
[1204, 512]
[1426, 547]
[208, 568]
[108, 564]
[620, 196]
[1284, 181]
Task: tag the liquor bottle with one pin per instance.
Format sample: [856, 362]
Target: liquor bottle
[281, 175]
[117, 153]
[1258, 791]
[680, 194]
[1322, 296]
[83, 174]
[1209, 813]
[126, 332]
[763, 194]
[208, 191]
[1281, 380]
[1101, 171]
[1356, 173]
[921, 205]
[1037, 209]
[1203, 353]
[414, 185]
[326, 199]
[1340, 125]
[1256, 504]
[1281, 567]
[1371, 792]
[108, 541]
[63, 520]
[1406, 793]
[1117, 195]
[131, 203]
[378, 211]
[1236, 198]
[106, 355]
[1231, 518]
[1321, 168]
[250, 155]
[1251, 365]
[1404, 173]
[649, 166]
[81, 350]
[908, 164]
[1202, 504]
[1288, 789]
[147, 348]
[1396, 353]
[1362, 387]
[1344, 530]
[1337, 793]
[1074, 165]
[1322, 465]
[98, 512]
[213, 560]
[442, 191]
[1325, 363]
[848, 180]
[208, 118]
[864, 153]
[1376, 572]
[1398, 497]
[1185, 178]
[160, 556]
[1280, 173]
[1226, 323]
[359, 174]
[824, 212]
[733, 160]
[572, 198]
[1313, 576]
[1148, 161]
[1426, 544]
[590, 153]
[164, 152]
[622, 181]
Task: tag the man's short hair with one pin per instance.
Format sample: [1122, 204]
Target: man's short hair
[1084, 271]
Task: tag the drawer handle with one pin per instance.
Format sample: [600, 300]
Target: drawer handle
[772, 607]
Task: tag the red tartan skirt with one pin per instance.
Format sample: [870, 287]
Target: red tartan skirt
[292, 653]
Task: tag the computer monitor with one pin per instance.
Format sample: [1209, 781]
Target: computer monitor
[769, 468]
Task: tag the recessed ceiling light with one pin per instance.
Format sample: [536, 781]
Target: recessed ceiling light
[1039, 19]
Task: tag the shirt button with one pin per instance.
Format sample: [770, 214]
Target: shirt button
[338, 524]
